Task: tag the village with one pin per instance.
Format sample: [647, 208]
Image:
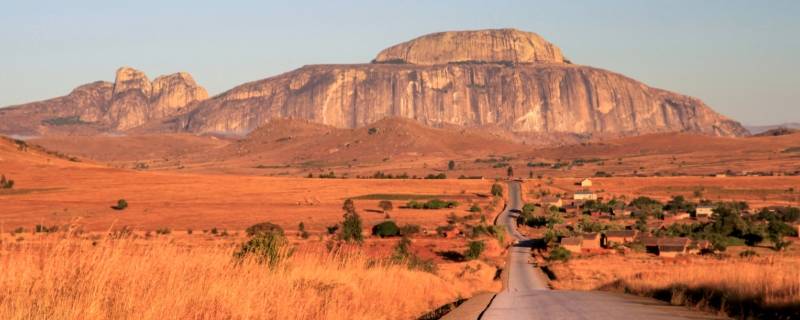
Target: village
[586, 223]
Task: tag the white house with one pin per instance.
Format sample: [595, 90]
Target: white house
[704, 211]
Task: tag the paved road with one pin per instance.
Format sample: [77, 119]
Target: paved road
[527, 296]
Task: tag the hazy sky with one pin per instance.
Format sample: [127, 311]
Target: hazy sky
[741, 57]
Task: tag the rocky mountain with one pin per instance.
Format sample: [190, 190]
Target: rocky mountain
[507, 78]
[130, 101]
[503, 79]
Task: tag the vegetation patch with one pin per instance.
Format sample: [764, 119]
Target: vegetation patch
[64, 121]
[399, 196]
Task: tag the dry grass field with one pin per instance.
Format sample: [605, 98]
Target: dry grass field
[766, 287]
[61, 277]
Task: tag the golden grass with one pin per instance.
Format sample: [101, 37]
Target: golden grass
[129, 279]
[763, 283]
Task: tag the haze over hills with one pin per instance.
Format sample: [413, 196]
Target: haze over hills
[507, 79]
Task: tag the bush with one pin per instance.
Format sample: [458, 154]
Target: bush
[264, 248]
[164, 231]
[386, 229]
[431, 204]
[474, 250]
[301, 230]
[475, 208]
[436, 176]
[559, 254]
[121, 205]
[497, 190]
[5, 183]
[332, 229]
[409, 229]
[262, 228]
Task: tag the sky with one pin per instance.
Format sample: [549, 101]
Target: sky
[741, 57]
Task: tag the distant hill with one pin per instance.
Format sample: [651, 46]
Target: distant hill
[762, 129]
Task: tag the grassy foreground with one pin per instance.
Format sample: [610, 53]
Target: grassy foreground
[125, 279]
[758, 287]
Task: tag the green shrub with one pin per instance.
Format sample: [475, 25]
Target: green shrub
[474, 250]
[475, 208]
[263, 228]
[386, 229]
[409, 229]
[264, 248]
[433, 204]
[121, 205]
[559, 254]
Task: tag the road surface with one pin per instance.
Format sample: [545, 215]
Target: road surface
[527, 296]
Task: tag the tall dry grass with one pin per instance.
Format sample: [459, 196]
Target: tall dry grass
[125, 279]
[761, 286]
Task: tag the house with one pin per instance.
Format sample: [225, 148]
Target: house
[620, 237]
[665, 247]
[572, 244]
[550, 201]
[584, 195]
[672, 247]
[586, 183]
[650, 243]
[591, 241]
[704, 211]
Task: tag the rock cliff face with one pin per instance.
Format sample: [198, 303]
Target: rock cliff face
[130, 101]
[503, 78]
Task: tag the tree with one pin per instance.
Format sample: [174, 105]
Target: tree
[510, 171]
[776, 230]
[385, 205]
[497, 190]
[386, 229]
[451, 165]
[351, 226]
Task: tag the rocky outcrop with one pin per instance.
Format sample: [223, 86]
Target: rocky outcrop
[496, 46]
[503, 79]
[532, 98]
[130, 101]
[136, 100]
